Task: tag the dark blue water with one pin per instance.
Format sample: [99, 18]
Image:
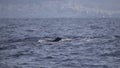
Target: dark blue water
[95, 43]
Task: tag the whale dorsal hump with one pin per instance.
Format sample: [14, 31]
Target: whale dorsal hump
[57, 39]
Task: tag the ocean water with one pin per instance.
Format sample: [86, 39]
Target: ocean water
[95, 43]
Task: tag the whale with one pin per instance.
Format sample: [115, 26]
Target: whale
[57, 39]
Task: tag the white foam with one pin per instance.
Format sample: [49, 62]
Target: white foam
[41, 41]
[67, 39]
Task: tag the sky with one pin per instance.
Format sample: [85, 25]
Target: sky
[59, 8]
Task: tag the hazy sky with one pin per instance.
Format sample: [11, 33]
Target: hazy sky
[59, 8]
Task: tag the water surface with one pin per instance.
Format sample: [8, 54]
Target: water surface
[95, 43]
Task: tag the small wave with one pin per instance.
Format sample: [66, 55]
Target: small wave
[7, 47]
[20, 40]
[115, 54]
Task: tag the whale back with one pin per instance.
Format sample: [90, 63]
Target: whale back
[57, 39]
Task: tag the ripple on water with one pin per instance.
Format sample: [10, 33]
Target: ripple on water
[114, 54]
